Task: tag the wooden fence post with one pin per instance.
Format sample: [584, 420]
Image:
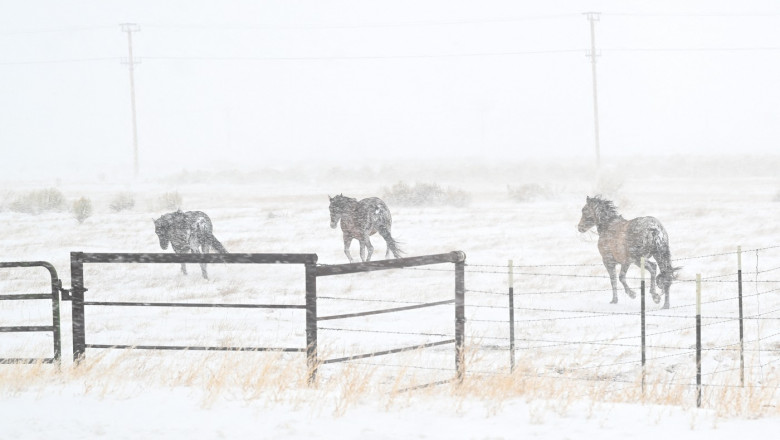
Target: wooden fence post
[511, 318]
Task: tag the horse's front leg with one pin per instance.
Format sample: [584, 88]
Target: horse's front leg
[347, 242]
[183, 269]
[622, 277]
[611, 271]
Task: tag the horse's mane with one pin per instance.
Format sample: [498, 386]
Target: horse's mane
[605, 209]
[341, 199]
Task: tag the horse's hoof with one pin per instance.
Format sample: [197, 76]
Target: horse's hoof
[614, 301]
[657, 299]
[666, 306]
[631, 294]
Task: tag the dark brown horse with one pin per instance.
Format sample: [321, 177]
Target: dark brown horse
[360, 220]
[625, 242]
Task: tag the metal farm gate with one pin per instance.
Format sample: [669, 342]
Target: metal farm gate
[54, 328]
[457, 257]
[312, 272]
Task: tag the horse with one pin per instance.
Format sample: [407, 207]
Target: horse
[189, 231]
[625, 242]
[360, 220]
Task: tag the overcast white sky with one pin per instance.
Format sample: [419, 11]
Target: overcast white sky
[261, 83]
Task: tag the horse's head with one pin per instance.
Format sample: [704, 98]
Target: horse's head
[666, 277]
[588, 219]
[161, 228]
[337, 206]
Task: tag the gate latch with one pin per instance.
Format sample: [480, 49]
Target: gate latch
[64, 293]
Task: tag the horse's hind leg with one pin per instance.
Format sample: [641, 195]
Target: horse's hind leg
[651, 267]
[611, 272]
[203, 265]
[369, 249]
[622, 277]
[183, 269]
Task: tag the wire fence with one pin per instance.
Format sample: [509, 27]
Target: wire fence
[555, 337]
[612, 358]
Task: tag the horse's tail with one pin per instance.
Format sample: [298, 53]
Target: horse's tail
[216, 244]
[661, 252]
[204, 230]
[391, 243]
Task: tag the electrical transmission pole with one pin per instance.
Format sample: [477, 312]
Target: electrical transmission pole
[593, 17]
[129, 28]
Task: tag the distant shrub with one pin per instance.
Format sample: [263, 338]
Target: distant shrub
[82, 209]
[36, 202]
[425, 194]
[610, 182]
[529, 192]
[171, 201]
[122, 202]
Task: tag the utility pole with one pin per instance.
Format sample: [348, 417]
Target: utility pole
[129, 28]
[593, 17]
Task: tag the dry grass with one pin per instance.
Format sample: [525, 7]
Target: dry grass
[552, 380]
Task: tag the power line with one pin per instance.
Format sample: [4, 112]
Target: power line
[239, 27]
[361, 57]
[55, 30]
[696, 15]
[60, 61]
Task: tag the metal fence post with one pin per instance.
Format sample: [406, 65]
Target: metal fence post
[77, 305]
[741, 322]
[698, 340]
[55, 309]
[642, 292]
[511, 318]
[460, 318]
[311, 321]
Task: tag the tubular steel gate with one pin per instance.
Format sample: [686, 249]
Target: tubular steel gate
[457, 257]
[78, 259]
[312, 272]
[54, 297]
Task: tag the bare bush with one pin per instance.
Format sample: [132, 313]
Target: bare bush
[529, 192]
[36, 202]
[609, 182]
[122, 202]
[82, 209]
[171, 201]
[425, 194]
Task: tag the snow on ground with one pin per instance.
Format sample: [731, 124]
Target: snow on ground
[176, 414]
[577, 355]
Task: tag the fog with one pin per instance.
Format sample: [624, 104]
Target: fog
[254, 85]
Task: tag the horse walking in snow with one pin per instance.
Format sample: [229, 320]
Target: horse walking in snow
[360, 220]
[189, 231]
[625, 242]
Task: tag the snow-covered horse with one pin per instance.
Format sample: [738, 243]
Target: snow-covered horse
[360, 220]
[189, 231]
[625, 242]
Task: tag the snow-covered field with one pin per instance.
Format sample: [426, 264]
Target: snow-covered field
[578, 370]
